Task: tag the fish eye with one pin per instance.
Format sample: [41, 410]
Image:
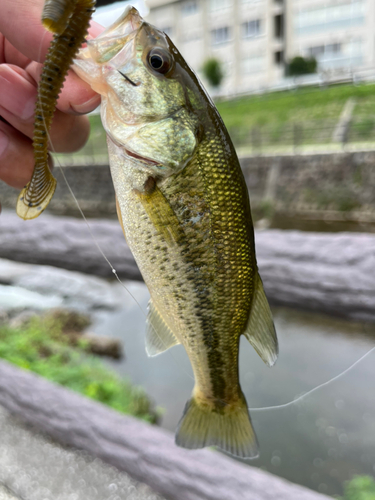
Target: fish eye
[160, 60]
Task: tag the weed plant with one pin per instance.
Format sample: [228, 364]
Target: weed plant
[39, 346]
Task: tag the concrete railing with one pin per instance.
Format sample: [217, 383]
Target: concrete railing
[146, 452]
[333, 273]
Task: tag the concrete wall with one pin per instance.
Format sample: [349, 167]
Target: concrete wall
[92, 186]
[339, 185]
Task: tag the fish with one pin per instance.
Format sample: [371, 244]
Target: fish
[184, 208]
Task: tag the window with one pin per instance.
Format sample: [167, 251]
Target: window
[279, 57]
[331, 17]
[220, 35]
[316, 51]
[189, 8]
[279, 26]
[217, 5]
[251, 29]
[328, 50]
[338, 55]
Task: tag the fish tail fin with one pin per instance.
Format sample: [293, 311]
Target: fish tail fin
[228, 427]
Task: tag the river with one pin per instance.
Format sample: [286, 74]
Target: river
[320, 441]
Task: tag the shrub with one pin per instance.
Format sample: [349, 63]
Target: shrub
[212, 70]
[301, 66]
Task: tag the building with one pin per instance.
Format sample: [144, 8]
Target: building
[254, 38]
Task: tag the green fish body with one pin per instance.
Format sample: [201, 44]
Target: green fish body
[184, 207]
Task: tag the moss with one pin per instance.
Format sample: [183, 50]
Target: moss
[360, 488]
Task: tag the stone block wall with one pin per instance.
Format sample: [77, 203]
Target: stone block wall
[340, 183]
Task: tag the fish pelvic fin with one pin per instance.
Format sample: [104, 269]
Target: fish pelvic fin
[260, 330]
[229, 428]
[159, 337]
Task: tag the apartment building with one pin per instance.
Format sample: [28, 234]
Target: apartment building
[254, 38]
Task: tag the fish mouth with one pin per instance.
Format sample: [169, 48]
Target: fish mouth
[128, 79]
[136, 156]
[115, 37]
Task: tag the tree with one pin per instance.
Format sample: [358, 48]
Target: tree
[212, 70]
[301, 66]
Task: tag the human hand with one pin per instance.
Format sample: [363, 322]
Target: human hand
[23, 45]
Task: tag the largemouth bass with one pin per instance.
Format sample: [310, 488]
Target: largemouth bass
[184, 207]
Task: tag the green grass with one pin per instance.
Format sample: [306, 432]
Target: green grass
[360, 488]
[306, 104]
[299, 117]
[302, 116]
[39, 346]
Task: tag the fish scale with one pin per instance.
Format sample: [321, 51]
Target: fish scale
[183, 205]
[184, 208]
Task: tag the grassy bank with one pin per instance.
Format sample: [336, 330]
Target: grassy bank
[301, 117]
[301, 105]
[39, 346]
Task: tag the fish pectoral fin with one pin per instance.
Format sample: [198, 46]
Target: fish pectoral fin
[159, 337]
[161, 215]
[260, 330]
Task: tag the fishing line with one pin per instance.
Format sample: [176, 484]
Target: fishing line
[95, 241]
[105, 257]
[303, 396]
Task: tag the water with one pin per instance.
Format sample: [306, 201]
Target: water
[319, 442]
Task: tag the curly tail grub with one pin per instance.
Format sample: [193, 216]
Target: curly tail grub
[69, 20]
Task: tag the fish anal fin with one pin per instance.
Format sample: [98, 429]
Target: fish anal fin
[229, 429]
[159, 337]
[260, 330]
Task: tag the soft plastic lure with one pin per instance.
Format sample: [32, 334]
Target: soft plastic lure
[69, 21]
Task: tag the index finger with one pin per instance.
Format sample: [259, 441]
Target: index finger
[20, 23]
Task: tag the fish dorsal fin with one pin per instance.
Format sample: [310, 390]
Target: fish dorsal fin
[159, 337]
[260, 330]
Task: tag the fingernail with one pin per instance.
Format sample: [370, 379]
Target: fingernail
[28, 110]
[4, 142]
[87, 106]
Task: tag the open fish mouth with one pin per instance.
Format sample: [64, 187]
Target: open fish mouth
[135, 84]
[114, 38]
[136, 156]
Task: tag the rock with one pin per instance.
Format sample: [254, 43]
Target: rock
[15, 297]
[77, 290]
[19, 320]
[103, 346]
[71, 322]
[4, 318]
[41, 287]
